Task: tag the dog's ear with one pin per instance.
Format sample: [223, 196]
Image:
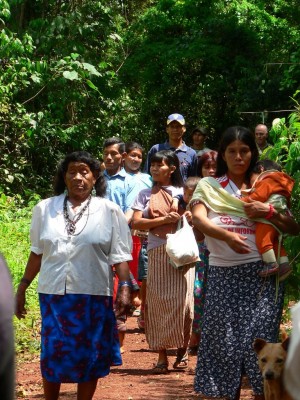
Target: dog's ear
[283, 334]
[259, 344]
[285, 344]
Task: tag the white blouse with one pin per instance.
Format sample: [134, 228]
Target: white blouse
[81, 263]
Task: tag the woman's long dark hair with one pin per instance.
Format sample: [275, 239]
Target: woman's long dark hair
[171, 159]
[229, 136]
[86, 158]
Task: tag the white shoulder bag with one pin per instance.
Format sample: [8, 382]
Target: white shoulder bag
[182, 247]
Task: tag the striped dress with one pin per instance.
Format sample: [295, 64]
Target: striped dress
[169, 309]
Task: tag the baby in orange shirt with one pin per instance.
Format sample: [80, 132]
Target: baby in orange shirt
[268, 180]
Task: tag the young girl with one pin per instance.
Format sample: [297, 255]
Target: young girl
[169, 302]
[200, 266]
[132, 164]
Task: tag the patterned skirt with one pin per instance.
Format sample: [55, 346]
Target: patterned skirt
[239, 307]
[169, 302]
[79, 337]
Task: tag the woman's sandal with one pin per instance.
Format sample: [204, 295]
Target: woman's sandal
[182, 361]
[160, 369]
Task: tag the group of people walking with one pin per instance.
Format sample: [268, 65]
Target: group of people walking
[81, 247]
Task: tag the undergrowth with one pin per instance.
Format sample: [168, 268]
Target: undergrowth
[15, 247]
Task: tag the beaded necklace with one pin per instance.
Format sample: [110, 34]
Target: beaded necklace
[71, 224]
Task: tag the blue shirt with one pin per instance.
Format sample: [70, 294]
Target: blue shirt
[186, 155]
[141, 180]
[121, 189]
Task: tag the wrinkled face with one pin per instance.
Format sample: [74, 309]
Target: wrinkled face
[113, 159]
[175, 130]
[209, 168]
[238, 158]
[188, 194]
[261, 135]
[133, 160]
[79, 180]
[161, 172]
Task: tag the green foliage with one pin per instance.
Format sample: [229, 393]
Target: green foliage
[285, 135]
[57, 92]
[14, 245]
[211, 60]
[75, 73]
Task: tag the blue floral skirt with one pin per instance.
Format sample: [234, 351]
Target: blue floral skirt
[79, 337]
[239, 307]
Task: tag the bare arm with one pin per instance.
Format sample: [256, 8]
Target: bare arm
[139, 222]
[123, 300]
[284, 223]
[32, 269]
[128, 215]
[234, 240]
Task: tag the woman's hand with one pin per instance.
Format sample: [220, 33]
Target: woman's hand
[285, 223]
[20, 310]
[256, 209]
[32, 269]
[237, 243]
[171, 217]
[188, 216]
[123, 301]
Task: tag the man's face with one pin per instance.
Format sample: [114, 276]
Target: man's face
[261, 135]
[175, 130]
[113, 159]
[198, 139]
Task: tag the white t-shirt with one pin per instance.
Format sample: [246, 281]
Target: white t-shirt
[220, 253]
[79, 264]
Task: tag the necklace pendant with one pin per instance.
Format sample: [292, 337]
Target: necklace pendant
[71, 228]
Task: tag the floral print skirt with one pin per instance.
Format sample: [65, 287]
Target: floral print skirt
[79, 337]
[239, 307]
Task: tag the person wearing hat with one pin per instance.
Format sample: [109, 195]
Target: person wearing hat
[186, 155]
[199, 135]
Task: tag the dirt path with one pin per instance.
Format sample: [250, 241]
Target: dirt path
[132, 381]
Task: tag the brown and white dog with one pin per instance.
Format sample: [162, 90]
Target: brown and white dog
[271, 359]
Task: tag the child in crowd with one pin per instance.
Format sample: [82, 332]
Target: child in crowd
[200, 267]
[121, 320]
[270, 185]
[132, 164]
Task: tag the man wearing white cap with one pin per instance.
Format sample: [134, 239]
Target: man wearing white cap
[186, 155]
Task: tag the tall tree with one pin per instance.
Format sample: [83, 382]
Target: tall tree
[210, 60]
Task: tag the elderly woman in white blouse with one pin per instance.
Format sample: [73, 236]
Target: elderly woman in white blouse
[75, 239]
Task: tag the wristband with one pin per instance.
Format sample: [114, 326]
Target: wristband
[271, 212]
[125, 283]
[26, 281]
